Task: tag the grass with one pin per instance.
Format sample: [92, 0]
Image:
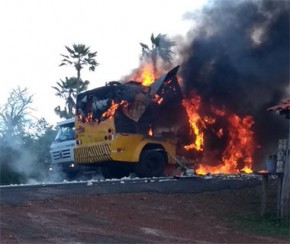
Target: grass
[248, 217]
[267, 225]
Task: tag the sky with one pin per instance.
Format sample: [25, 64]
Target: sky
[35, 32]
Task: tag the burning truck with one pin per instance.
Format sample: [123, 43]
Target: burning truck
[125, 127]
[147, 125]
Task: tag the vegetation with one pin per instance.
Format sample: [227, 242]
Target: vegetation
[243, 208]
[68, 90]
[161, 48]
[24, 140]
[79, 56]
[268, 225]
[14, 114]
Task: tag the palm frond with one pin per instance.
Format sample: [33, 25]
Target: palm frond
[144, 46]
[92, 55]
[152, 38]
[69, 50]
[56, 88]
[65, 56]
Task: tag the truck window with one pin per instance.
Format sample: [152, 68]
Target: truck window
[65, 133]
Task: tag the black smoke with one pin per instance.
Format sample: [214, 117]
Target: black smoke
[238, 57]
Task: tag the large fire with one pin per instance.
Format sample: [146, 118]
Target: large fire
[235, 131]
[240, 145]
[237, 156]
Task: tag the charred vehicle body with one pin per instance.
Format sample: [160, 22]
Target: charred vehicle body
[125, 127]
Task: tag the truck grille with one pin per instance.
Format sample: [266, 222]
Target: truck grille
[92, 154]
[62, 154]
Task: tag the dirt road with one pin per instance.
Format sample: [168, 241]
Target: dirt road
[146, 217]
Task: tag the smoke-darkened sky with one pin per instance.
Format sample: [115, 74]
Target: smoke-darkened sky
[238, 57]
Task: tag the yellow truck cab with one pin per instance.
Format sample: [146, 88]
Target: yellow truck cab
[125, 127]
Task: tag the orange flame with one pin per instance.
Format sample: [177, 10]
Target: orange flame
[158, 99]
[192, 105]
[145, 74]
[240, 148]
[112, 109]
[150, 132]
[241, 144]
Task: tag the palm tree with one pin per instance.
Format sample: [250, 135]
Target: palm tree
[161, 47]
[79, 56]
[68, 90]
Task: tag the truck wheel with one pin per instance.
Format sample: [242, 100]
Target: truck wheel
[151, 164]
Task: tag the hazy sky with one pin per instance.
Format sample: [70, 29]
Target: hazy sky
[34, 33]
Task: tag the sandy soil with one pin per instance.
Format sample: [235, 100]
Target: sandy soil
[134, 218]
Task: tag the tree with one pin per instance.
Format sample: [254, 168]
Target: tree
[24, 140]
[79, 57]
[161, 47]
[68, 90]
[39, 139]
[14, 115]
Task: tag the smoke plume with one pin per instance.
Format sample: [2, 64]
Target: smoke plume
[238, 58]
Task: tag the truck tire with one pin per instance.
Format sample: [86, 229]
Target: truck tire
[151, 164]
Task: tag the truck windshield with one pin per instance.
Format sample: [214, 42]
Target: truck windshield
[65, 133]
